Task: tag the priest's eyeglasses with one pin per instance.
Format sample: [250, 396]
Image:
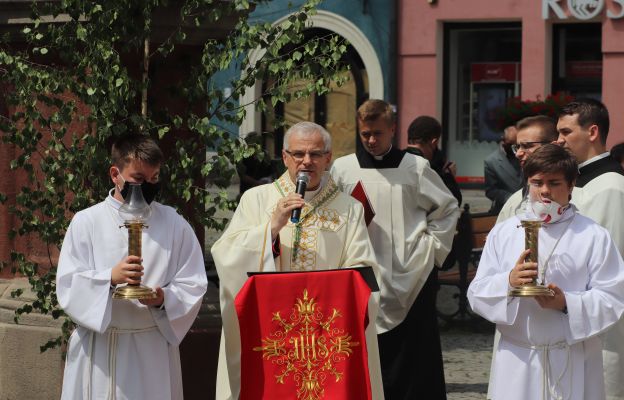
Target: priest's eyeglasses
[298, 156]
[526, 146]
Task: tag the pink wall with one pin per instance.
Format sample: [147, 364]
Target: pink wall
[612, 82]
[420, 70]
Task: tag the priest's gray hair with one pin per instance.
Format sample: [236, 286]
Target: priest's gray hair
[306, 128]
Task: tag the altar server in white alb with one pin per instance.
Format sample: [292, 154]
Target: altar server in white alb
[549, 346]
[260, 237]
[583, 127]
[411, 223]
[128, 349]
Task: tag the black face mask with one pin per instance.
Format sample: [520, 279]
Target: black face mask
[149, 190]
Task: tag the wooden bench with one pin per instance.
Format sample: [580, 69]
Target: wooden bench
[468, 243]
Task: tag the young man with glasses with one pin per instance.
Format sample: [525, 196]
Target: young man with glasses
[533, 132]
[412, 229]
[599, 194]
[331, 233]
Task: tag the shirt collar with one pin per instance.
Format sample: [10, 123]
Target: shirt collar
[309, 194]
[594, 159]
[112, 201]
[380, 157]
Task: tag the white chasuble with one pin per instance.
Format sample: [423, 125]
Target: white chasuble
[331, 234]
[122, 349]
[412, 229]
[544, 353]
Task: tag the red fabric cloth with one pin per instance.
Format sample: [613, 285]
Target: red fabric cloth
[302, 336]
[359, 194]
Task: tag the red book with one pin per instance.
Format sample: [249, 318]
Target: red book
[359, 194]
[306, 339]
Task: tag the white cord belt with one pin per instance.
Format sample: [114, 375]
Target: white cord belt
[546, 372]
[113, 334]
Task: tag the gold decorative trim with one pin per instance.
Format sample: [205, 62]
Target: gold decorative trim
[307, 347]
[315, 216]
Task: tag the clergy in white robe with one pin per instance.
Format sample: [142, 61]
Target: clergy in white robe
[541, 345]
[413, 226]
[128, 349]
[583, 128]
[412, 221]
[331, 234]
[601, 198]
[545, 352]
[121, 348]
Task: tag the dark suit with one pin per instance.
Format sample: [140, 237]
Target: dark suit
[503, 177]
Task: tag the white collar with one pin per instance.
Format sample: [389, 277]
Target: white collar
[112, 200]
[379, 158]
[593, 159]
[309, 194]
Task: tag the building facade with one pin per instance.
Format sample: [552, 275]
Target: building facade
[369, 26]
[460, 61]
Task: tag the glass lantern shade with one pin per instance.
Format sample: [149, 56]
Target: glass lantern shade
[135, 208]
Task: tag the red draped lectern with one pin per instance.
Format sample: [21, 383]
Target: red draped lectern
[302, 335]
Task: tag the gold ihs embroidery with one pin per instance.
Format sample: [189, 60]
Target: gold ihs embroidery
[307, 347]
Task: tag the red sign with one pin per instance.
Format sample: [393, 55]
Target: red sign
[470, 179]
[584, 69]
[494, 72]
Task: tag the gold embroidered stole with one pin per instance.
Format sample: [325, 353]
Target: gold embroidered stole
[314, 217]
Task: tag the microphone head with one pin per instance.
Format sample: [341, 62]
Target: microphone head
[303, 176]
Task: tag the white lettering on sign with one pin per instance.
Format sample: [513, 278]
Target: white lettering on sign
[620, 4]
[585, 9]
[554, 5]
[581, 9]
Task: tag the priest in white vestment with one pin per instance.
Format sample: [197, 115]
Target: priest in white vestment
[549, 346]
[412, 220]
[260, 237]
[128, 349]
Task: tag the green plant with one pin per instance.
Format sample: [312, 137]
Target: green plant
[73, 84]
[516, 108]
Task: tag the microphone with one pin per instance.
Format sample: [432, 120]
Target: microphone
[302, 182]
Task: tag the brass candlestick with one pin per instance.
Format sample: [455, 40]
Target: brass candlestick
[531, 234]
[134, 211]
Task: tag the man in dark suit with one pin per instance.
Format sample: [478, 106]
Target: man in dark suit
[502, 172]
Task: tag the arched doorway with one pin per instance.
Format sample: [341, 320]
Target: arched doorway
[334, 110]
[361, 53]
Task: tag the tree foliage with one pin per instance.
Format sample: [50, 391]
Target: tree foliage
[73, 80]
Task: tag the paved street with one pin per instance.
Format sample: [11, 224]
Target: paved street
[467, 352]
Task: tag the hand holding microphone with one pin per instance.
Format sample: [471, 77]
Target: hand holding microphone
[285, 207]
[302, 183]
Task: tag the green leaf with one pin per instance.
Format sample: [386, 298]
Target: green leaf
[81, 32]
